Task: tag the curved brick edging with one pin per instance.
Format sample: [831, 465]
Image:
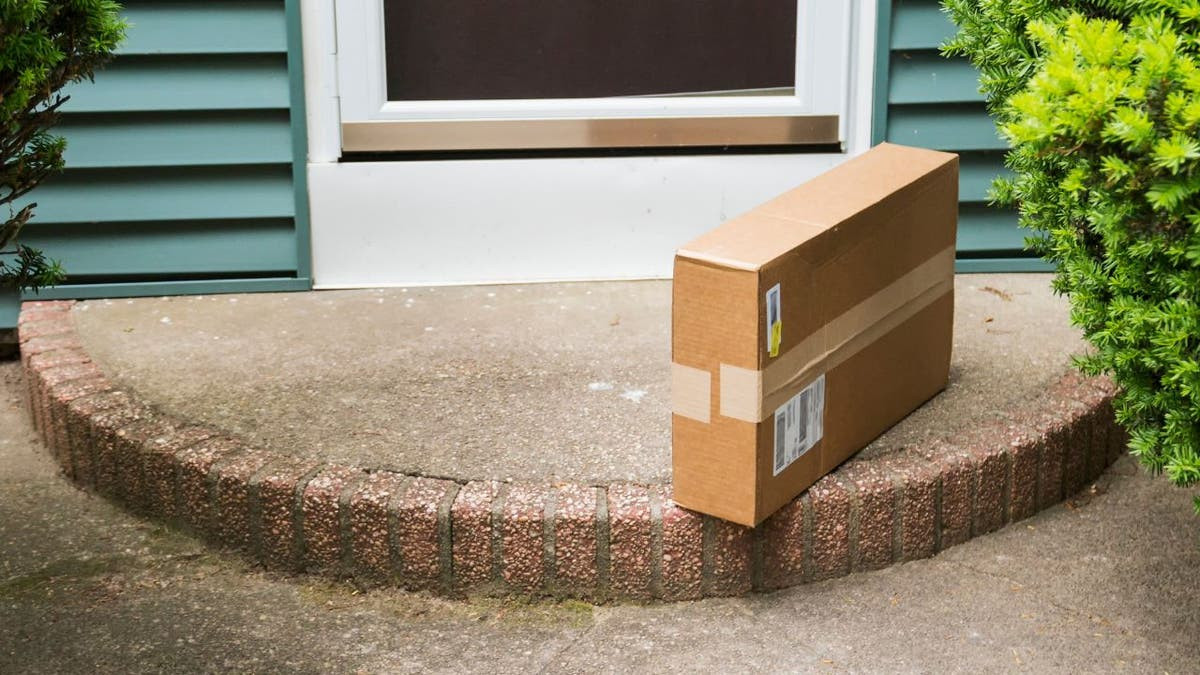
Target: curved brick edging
[615, 541]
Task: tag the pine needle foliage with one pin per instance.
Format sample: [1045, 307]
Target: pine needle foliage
[1100, 103]
[44, 45]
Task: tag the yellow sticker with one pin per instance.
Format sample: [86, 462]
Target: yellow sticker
[774, 321]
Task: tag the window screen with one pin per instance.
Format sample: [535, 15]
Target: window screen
[537, 49]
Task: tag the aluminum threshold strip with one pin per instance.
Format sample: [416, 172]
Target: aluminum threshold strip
[558, 134]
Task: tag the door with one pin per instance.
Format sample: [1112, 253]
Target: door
[525, 140]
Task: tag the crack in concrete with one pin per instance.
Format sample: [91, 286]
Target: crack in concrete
[550, 663]
[1042, 591]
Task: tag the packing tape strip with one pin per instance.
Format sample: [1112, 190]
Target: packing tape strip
[753, 395]
[691, 392]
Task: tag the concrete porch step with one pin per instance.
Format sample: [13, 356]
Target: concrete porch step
[516, 438]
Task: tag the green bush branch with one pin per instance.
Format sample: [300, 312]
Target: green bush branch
[1100, 102]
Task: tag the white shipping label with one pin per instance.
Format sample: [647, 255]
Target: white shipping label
[799, 424]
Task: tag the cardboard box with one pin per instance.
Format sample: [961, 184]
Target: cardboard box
[805, 328]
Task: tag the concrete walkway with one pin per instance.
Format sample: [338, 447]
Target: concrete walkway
[1103, 583]
[566, 381]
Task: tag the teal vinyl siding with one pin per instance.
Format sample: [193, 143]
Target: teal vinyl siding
[185, 158]
[927, 100]
[202, 138]
[247, 27]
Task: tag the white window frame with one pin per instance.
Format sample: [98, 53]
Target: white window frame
[821, 86]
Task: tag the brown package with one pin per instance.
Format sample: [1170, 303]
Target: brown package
[805, 328]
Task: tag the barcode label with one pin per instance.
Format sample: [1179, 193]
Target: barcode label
[799, 424]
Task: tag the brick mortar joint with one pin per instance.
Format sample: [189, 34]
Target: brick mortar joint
[854, 500]
[445, 537]
[345, 523]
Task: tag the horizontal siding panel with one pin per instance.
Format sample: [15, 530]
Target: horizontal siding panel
[928, 77]
[90, 196]
[988, 229]
[992, 265]
[976, 171]
[919, 24]
[176, 139]
[185, 287]
[154, 83]
[943, 127]
[216, 26]
[173, 249]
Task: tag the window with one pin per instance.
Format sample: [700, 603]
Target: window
[534, 74]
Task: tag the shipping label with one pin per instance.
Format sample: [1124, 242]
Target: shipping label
[799, 424]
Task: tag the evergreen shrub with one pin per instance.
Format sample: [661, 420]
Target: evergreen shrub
[44, 45]
[1100, 103]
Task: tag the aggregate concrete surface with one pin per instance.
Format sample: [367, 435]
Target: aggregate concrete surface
[1103, 583]
[530, 382]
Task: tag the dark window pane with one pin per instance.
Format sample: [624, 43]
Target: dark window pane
[504, 49]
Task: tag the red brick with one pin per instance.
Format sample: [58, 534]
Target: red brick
[1075, 458]
[50, 325]
[1050, 466]
[417, 531]
[1079, 398]
[631, 568]
[33, 392]
[49, 412]
[42, 345]
[234, 524]
[1097, 402]
[731, 551]
[79, 431]
[46, 305]
[830, 555]
[1022, 496]
[783, 546]
[32, 314]
[195, 489]
[471, 517]
[46, 360]
[36, 403]
[575, 543]
[51, 377]
[875, 511]
[104, 427]
[683, 552]
[130, 457]
[991, 486]
[369, 528]
[56, 414]
[39, 316]
[1100, 423]
[920, 482]
[160, 468]
[279, 489]
[522, 546]
[957, 505]
[1069, 386]
[321, 517]
[63, 394]
[1118, 442]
